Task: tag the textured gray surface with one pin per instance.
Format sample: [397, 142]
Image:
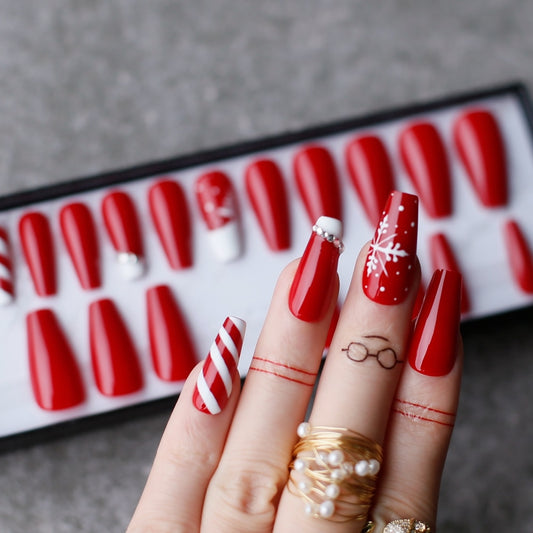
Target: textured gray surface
[101, 84]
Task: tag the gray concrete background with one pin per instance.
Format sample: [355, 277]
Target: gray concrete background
[94, 85]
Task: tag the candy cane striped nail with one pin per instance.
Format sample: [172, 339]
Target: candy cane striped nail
[215, 381]
[7, 292]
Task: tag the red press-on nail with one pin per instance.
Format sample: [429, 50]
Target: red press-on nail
[432, 350]
[519, 256]
[36, 239]
[318, 183]
[218, 204]
[268, 196]
[371, 173]
[170, 213]
[171, 347]
[425, 159]
[114, 359]
[480, 145]
[79, 234]
[443, 257]
[390, 263]
[55, 376]
[7, 290]
[122, 224]
[314, 282]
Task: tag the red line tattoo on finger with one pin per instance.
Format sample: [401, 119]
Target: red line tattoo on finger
[423, 413]
[284, 371]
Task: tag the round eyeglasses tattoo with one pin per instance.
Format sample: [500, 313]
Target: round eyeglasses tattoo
[358, 352]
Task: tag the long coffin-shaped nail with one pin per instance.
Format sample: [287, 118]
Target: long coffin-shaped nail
[480, 145]
[55, 376]
[370, 170]
[314, 281]
[7, 289]
[114, 359]
[519, 256]
[171, 346]
[425, 159]
[218, 204]
[268, 195]
[170, 213]
[443, 257]
[122, 224]
[390, 264]
[215, 381]
[79, 234]
[432, 350]
[36, 239]
[318, 183]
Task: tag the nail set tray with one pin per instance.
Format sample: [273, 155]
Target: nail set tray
[489, 240]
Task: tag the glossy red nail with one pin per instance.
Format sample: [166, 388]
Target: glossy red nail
[170, 213]
[114, 359]
[426, 162]
[443, 257]
[433, 347]
[480, 145]
[215, 382]
[171, 346]
[7, 289]
[318, 183]
[519, 256]
[36, 239]
[55, 376]
[218, 204]
[390, 263]
[314, 282]
[370, 170]
[122, 224]
[268, 196]
[79, 234]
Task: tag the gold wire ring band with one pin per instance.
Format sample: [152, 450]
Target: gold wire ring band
[334, 471]
[402, 525]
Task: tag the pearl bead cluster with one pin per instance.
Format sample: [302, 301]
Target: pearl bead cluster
[329, 237]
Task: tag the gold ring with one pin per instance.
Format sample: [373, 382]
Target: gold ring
[403, 525]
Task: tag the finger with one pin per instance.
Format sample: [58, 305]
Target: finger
[193, 440]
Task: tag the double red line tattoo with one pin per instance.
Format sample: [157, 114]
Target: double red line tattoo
[423, 413]
[283, 371]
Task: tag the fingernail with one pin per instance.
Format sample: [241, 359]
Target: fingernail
[443, 257]
[432, 351]
[114, 358]
[55, 376]
[171, 347]
[170, 214]
[268, 196]
[426, 162]
[519, 256]
[218, 204]
[318, 183]
[36, 239]
[215, 381]
[314, 282]
[122, 224]
[370, 170]
[390, 263]
[79, 234]
[7, 290]
[479, 143]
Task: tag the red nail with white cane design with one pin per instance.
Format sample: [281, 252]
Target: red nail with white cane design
[7, 291]
[215, 381]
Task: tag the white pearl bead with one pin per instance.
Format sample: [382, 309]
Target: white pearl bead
[338, 474]
[374, 467]
[310, 509]
[323, 457]
[362, 468]
[305, 486]
[335, 458]
[348, 468]
[300, 465]
[304, 429]
[326, 509]
[332, 491]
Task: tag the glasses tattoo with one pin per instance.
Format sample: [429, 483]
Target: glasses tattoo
[359, 352]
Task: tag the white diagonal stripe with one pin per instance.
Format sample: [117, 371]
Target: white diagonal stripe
[206, 394]
[5, 273]
[5, 297]
[230, 345]
[222, 369]
[3, 248]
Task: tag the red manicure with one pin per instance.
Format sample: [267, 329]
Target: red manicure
[218, 204]
[114, 358]
[171, 346]
[122, 224]
[318, 183]
[519, 256]
[433, 346]
[170, 213]
[424, 157]
[7, 290]
[268, 196]
[314, 282]
[390, 263]
[370, 169]
[55, 376]
[442, 257]
[36, 239]
[480, 145]
[79, 234]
